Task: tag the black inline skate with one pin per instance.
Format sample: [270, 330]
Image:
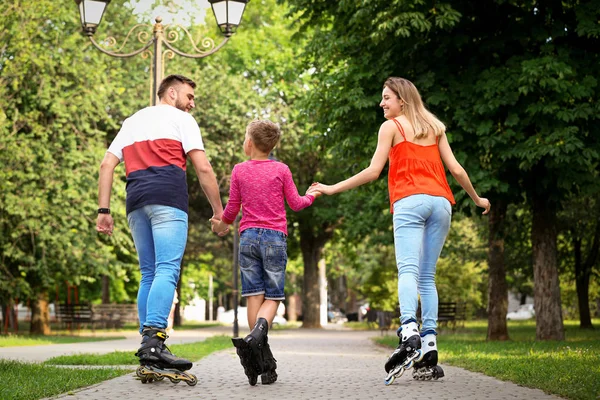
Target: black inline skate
[427, 368]
[406, 354]
[255, 354]
[158, 363]
[270, 365]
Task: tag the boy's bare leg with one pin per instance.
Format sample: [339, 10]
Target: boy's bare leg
[254, 303]
[258, 307]
[268, 310]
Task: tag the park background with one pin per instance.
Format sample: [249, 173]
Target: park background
[515, 82]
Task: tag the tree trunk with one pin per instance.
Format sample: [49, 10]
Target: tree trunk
[547, 304]
[312, 249]
[583, 272]
[292, 307]
[523, 299]
[40, 316]
[311, 294]
[105, 289]
[497, 287]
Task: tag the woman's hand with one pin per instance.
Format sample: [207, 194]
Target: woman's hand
[323, 189]
[483, 203]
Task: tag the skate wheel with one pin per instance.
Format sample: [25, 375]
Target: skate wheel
[173, 380]
[139, 373]
[410, 364]
[390, 380]
[421, 355]
[144, 380]
[192, 382]
[159, 377]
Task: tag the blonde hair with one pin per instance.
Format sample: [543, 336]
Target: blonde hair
[264, 134]
[413, 108]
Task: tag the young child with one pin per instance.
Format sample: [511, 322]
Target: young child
[260, 186]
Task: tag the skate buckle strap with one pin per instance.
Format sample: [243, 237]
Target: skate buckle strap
[161, 335]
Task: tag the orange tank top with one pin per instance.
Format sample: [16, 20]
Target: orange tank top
[416, 169]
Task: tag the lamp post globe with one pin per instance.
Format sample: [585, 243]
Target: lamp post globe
[228, 14]
[91, 12]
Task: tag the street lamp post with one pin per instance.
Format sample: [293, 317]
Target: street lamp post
[236, 244]
[228, 14]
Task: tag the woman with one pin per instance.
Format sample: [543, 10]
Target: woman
[415, 142]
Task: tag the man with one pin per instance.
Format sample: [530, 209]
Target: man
[154, 143]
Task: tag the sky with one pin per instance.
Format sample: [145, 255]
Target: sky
[184, 12]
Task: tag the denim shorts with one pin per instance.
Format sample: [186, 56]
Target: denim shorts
[263, 258]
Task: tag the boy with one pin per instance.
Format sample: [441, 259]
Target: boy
[260, 185]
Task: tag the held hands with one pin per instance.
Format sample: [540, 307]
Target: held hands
[105, 224]
[321, 189]
[312, 191]
[219, 227]
[483, 203]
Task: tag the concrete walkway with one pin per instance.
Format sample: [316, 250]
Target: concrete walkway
[312, 364]
[130, 343]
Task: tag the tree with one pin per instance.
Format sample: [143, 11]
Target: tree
[264, 78]
[514, 81]
[53, 124]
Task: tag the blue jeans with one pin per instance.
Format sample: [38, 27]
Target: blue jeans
[263, 258]
[160, 235]
[421, 224]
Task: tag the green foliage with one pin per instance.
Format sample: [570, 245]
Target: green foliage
[53, 125]
[370, 269]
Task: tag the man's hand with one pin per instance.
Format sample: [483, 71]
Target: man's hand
[219, 227]
[105, 224]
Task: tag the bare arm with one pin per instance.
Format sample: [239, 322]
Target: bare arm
[208, 181]
[104, 222]
[459, 173]
[380, 157]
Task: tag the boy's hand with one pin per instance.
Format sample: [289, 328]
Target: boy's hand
[219, 227]
[313, 192]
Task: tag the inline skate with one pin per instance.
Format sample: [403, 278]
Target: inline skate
[255, 354]
[269, 364]
[427, 368]
[157, 362]
[406, 354]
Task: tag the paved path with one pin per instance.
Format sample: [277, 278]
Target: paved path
[130, 343]
[312, 364]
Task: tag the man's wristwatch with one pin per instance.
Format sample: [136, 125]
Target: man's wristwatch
[104, 211]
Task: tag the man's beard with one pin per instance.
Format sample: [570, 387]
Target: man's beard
[179, 104]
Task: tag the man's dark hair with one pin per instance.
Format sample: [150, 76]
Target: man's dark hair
[173, 80]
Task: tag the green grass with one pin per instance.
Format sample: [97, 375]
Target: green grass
[24, 381]
[34, 340]
[21, 381]
[569, 368]
[190, 351]
[197, 325]
[289, 325]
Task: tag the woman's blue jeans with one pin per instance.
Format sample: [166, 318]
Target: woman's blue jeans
[421, 224]
[160, 235]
